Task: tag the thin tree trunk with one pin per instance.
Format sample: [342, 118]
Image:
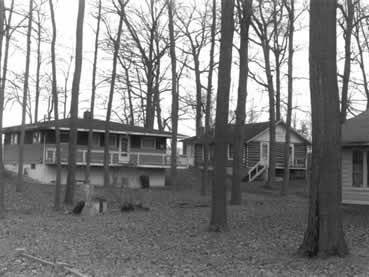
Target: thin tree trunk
[56, 111]
[218, 219]
[38, 66]
[71, 179]
[198, 94]
[205, 180]
[2, 183]
[173, 161]
[19, 186]
[92, 109]
[244, 11]
[110, 102]
[347, 66]
[291, 29]
[324, 233]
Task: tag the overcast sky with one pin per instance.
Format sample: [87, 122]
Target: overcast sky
[66, 11]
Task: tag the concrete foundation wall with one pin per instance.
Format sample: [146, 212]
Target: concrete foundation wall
[129, 176]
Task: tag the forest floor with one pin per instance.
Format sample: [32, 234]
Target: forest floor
[172, 239]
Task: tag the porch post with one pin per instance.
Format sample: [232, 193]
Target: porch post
[365, 170]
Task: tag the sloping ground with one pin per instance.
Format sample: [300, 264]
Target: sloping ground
[171, 241]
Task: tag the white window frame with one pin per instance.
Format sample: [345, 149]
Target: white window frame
[261, 151]
[148, 147]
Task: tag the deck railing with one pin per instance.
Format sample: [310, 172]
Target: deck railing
[117, 158]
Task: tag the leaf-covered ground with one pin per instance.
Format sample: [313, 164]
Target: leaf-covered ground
[169, 240]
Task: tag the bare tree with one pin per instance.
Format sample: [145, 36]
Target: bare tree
[218, 219]
[19, 186]
[72, 147]
[244, 9]
[261, 25]
[116, 43]
[348, 15]
[205, 179]
[56, 110]
[173, 163]
[291, 29]
[92, 104]
[2, 182]
[324, 233]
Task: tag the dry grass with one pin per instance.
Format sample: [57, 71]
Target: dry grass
[265, 232]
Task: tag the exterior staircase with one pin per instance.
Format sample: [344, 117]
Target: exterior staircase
[254, 172]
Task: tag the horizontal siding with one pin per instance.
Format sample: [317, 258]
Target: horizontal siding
[347, 168]
[350, 195]
[32, 153]
[253, 153]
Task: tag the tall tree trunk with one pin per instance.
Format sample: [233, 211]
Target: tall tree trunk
[110, 102]
[244, 13]
[19, 186]
[2, 183]
[38, 66]
[71, 179]
[347, 66]
[56, 111]
[198, 93]
[277, 54]
[291, 30]
[205, 179]
[271, 166]
[218, 219]
[173, 161]
[324, 234]
[92, 107]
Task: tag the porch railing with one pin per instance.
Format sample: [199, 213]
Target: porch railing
[116, 158]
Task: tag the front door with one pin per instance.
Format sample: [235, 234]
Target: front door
[123, 149]
[264, 153]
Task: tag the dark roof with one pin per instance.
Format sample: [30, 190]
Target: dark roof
[251, 130]
[356, 129]
[83, 124]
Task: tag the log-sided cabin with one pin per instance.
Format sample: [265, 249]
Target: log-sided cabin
[134, 152]
[355, 160]
[255, 150]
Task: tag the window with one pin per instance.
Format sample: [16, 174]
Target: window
[160, 143]
[113, 141]
[135, 141]
[357, 168]
[148, 143]
[14, 138]
[96, 139]
[36, 138]
[230, 152]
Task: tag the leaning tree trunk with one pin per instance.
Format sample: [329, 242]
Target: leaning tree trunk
[324, 234]
[286, 175]
[56, 111]
[71, 180]
[245, 10]
[205, 179]
[19, 186]
[2, 183]
[110, 101]
[218, 219]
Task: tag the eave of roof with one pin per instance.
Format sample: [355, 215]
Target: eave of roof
[97, 126]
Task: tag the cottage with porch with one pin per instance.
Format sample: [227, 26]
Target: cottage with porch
[134, 152]
[255, 150]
